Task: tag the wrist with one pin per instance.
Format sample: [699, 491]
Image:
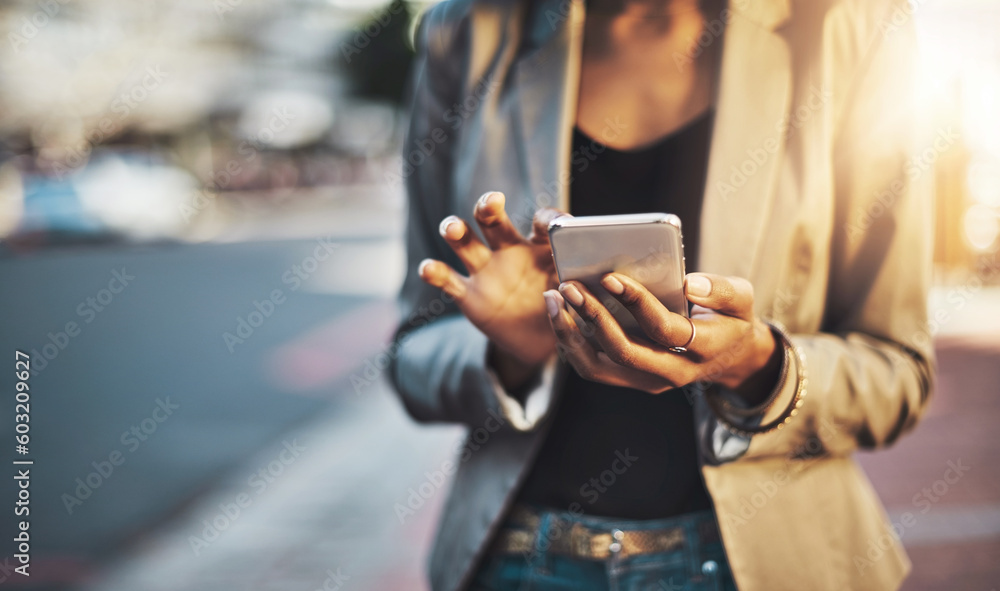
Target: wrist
[513, 373]
[767, 358]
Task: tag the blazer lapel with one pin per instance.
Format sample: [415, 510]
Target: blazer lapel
[748, 139]
[548, 82]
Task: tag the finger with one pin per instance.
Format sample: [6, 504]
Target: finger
[606, 330]
[591, 364]
[656, 321]
[540, 224]
[443, 277]
[732, 296]
[571, 343]
[633, 378]
[469, 248]
[497, 228]
[580, 353]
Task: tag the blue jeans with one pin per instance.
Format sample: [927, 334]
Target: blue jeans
[699, 564]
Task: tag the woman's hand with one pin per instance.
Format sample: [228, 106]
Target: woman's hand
[731, 345]
[507, 275]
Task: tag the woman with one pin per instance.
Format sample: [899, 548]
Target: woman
[780, 136]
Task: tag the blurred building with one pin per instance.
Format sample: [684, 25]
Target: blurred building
[164, 119]
[161, 119]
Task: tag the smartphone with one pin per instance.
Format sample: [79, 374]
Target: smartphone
[647, 247]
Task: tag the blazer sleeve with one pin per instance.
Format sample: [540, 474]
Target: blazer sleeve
[439, 369]
[868, 374]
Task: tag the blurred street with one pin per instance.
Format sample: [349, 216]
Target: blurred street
[277, 471]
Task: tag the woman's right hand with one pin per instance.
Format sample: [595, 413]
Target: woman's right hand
[502, 296]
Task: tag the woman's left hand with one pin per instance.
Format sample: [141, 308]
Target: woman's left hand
[731, 347]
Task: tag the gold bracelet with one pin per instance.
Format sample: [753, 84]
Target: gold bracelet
[793, 407]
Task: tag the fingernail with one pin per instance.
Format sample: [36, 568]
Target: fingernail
[488, 198]
[612, 284]
[423, 265]
[447, 223]
[550, 303]
[571, 293]
[699, 286]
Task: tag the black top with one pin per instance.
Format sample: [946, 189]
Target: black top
[621, 452]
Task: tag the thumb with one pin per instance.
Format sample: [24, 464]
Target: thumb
[732, 296]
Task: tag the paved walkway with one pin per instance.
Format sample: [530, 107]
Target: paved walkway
[328, 516]
[324, 517]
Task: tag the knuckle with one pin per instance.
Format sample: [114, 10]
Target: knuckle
[487, 218]
[661, 333]
[724, 292]
[631, 297]
[564, 336]
[682, 376]
[612, 305]
[690, 375]
[623, 354]
[590, 312]
[586, 370]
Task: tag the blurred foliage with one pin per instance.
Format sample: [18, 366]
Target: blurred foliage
[377, 57]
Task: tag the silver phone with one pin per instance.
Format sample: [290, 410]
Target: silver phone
[647, 247]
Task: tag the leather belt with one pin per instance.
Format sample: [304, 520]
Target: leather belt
[521, 530]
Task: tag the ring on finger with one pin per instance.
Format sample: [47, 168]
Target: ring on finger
[683, 348]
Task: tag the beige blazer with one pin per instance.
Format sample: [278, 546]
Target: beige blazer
[811, 195]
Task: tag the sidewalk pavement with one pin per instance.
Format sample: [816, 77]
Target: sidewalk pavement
[315, 511]
[327, 519]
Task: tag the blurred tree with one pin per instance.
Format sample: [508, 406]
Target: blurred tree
[377, 56]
